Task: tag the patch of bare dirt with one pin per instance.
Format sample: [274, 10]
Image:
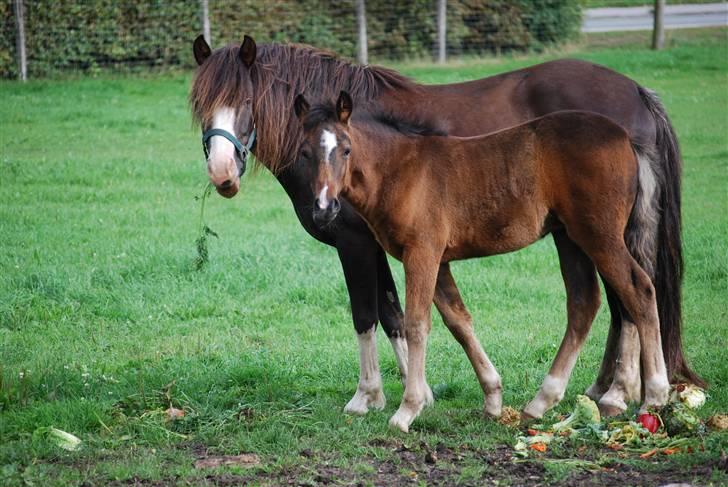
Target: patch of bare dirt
[441, 465]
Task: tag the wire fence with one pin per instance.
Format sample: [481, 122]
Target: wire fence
[88, 35]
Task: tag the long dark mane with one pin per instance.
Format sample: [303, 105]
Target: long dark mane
[280, 72]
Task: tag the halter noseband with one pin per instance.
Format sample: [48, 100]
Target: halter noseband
[243, 151]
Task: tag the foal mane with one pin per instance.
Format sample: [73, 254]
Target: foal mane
[325, 111]
[280, 72]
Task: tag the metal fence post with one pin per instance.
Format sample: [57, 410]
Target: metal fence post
[658, 31]
[361, 21]
[20, 40]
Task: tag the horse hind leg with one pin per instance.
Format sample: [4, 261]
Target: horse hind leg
[636, 293]
[626, 383]
[460, 323]
[606, 371]
[582, 304]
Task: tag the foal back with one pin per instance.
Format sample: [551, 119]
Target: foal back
[501, 192]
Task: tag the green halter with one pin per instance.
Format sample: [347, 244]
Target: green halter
[243, 151]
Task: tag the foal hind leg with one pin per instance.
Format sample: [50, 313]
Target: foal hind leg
[582, 304]
[358, 260]
[460, 324]
[636, 293]
[390, 313]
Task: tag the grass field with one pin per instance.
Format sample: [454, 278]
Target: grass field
[104, 323]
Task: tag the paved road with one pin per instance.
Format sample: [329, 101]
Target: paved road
[641, 18]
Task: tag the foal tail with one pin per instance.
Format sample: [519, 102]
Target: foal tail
[653, 233]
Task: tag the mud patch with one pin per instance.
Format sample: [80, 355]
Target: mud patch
[401, 465]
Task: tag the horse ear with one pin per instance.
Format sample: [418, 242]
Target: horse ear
[201, 50]
[344, 106]
[300, 106]
[248, 51]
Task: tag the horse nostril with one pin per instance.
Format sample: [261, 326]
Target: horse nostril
[227, 184]
[335, 206]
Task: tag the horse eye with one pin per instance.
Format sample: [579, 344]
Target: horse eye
[347, 151]
[305, 154]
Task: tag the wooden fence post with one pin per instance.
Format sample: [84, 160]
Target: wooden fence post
[361, 21]
[658, 31]
[441, 31]
[20, 40]
[206, 22]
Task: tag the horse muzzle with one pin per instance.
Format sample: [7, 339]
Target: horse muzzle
[226, 181]
[324, 216]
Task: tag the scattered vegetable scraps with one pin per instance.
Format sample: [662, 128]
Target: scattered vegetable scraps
[674, 428]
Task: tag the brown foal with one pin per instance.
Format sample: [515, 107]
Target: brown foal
[433, 199]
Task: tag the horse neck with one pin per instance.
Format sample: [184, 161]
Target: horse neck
[281, 77]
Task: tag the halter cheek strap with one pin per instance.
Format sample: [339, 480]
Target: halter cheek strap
[243, 151]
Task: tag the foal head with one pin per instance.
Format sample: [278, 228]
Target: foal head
[327, 146]
[221, 100]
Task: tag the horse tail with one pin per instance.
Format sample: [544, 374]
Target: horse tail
[653, 233]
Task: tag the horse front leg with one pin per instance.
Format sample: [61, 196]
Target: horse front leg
[391, 316]
[358, 256]
[420, 268]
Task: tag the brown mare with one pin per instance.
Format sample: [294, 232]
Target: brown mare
[236, 86]
[434, 199]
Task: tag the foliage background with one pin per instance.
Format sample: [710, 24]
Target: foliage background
[73, 35]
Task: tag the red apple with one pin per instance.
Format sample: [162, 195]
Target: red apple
[649, 421]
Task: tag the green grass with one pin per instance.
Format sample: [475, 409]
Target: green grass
[104, 322]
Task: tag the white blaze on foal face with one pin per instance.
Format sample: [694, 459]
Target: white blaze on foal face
[328, 144]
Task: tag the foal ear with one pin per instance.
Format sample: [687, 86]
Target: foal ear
[201, 50]
[300, 106]
[344, 106]
[248, 51]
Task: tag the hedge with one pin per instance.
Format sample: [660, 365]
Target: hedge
[87, 35]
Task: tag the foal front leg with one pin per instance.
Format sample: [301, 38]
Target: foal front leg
[420, 270]
[460, 323]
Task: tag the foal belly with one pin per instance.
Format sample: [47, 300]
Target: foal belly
[493, 236]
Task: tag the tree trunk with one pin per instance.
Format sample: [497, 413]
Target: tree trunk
[361, 22]
[206, 21]
[441, 31]
[658, 32]
[20, 40]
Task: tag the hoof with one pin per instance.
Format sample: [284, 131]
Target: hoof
[399, 422]
[609, 408]
[532, 411]
[363, 401]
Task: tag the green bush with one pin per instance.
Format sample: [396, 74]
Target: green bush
[75, 35]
